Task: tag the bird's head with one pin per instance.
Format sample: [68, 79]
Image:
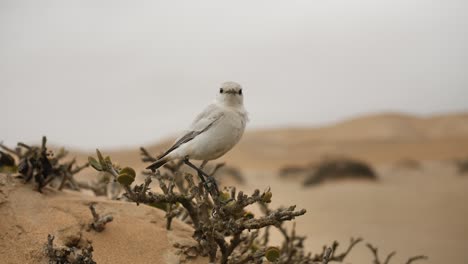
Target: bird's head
[230, 94]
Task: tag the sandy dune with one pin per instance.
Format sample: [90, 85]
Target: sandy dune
[410, 210]
[137, 234]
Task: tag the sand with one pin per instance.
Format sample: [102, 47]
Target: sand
[136, 235]
[411, 209]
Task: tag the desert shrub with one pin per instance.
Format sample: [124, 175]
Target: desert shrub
[42, 165]
[224, 228]
[462, 166]
[7, 163]
[340, 168]
[222, 223]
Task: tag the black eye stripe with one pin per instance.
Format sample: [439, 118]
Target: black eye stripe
[231, 91]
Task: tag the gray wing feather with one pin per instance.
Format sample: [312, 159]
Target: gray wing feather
[202, 123]
[209, 114]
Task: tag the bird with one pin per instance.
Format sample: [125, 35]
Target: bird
[215, 131]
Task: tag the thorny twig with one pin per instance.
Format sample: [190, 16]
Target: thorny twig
[415, 258]
[353, 242]
[327, 256]
[375, 252]
[99, 222]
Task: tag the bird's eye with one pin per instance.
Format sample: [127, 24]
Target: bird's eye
[240, 91]
[221, 90]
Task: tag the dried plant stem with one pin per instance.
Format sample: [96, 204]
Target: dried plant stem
[99, 222]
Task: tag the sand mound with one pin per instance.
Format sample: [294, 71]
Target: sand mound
[136, 235]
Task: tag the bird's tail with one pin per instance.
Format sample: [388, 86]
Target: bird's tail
[158, 163]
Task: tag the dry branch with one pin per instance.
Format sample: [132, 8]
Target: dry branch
[99, 222]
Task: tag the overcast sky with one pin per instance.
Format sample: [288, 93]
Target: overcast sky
[123, 73]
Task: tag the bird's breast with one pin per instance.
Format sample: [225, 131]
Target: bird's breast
[219, 139]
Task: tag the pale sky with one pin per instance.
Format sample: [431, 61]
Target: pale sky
[94, 74]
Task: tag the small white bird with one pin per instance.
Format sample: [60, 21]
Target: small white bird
[214, 131]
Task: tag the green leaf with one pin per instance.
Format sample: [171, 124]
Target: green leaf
[125, 179]
[266, 197]
[129, 171]
[272, 254]
[224, 196]
[94, 163]
[101, 159]
[248, 215]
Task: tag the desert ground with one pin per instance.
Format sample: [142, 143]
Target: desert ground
[417, 205]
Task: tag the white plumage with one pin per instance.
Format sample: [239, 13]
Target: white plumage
[214, 131]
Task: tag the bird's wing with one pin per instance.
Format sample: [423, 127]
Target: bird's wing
[202, 123]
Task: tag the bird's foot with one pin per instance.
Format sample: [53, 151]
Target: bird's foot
[212, 185]
[208, 181]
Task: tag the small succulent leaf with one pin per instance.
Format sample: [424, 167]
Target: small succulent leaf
[129, 171]
[248, 215]
[272, 254]
[224, 196]
[125, 179]
[266, 197]
[94, 163]
[100, 157]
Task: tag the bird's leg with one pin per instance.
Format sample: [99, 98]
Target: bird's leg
[202, 175]
[209, 178]
[200, 172]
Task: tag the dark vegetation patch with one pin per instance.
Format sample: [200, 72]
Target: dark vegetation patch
[339, 169]
[462, 166]
[41, 166]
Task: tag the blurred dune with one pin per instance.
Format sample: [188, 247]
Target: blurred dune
[414, 209]
[379, 139]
